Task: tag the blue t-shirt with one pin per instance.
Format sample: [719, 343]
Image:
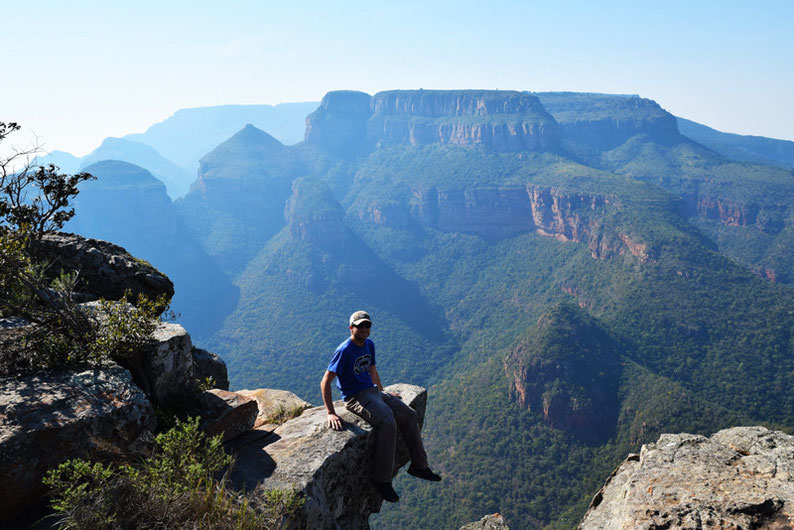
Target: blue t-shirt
[351, 365]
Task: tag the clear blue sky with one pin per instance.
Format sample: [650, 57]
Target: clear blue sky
[75, 72]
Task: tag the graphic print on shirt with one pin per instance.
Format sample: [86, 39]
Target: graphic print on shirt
[362, 364]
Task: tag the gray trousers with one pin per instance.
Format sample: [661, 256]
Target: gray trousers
[387, 414]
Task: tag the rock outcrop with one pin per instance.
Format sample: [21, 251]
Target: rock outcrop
[495, 213]
[741, 477]
[167, 365]
[489, 522]
[567, 370]
[105, 270]
[313, 215]
[329, 467]
[339, 124]
[53, 416]
[209, 367]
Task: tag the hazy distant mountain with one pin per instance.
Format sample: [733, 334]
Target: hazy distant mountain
[129, 206]
[191, 133]
[177, 180]
[742, 148]
[66, 161]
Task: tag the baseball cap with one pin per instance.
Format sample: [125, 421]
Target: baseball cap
[358, 317]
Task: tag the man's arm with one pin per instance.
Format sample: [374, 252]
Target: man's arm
[334, 421]
[373, 374]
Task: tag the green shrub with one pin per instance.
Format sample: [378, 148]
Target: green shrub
[175, 488]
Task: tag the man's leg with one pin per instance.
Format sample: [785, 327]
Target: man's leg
[370, 406]
[408, 422]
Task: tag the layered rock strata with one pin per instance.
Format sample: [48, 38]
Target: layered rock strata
[351, 123]
[741, 477]
[495, 213]
[504, 121]
[329, 467]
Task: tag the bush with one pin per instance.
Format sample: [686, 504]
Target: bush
[175, 488]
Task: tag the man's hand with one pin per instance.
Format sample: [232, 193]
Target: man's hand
[335, 422]
[395, 394]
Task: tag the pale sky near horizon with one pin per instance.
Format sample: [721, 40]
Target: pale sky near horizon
[77, 72]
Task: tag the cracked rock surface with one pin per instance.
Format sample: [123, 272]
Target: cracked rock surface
[741, 477]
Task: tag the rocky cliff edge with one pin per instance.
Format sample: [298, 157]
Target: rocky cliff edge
[107, 413]
[741, 477]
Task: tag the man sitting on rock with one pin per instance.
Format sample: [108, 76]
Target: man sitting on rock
[353, 367]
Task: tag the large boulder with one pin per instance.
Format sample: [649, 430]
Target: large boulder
[330, 468]
[50, 417]
[166, 370]
[210, 366]
[738, 478]
[227, 413]
[105, 270]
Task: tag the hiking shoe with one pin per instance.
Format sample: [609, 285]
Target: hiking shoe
[386, 491]
[426, 474]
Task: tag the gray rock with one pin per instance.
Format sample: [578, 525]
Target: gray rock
[50, 417]
[329, 467]
[738, 478]
[105, 270]
[209, 365]
[167, 365]
[227, 413]
[495, 522]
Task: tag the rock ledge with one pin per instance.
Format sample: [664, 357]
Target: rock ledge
[741, 477]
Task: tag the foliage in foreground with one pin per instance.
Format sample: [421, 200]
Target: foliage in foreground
[175, 488]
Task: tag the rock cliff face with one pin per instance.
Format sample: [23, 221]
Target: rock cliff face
[567, 369]
[732, 213]
[339, 124]
[503, 121]
[738, 478]
[351, 123]
[313, 215]
[502, 212]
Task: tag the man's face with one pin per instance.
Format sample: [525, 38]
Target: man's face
[360, 333]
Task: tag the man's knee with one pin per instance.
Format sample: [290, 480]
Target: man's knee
[405, 415]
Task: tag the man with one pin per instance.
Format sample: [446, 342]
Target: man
[353, 367]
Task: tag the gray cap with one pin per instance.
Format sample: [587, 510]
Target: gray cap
[358, 317]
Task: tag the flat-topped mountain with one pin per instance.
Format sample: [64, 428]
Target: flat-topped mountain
[352, 122]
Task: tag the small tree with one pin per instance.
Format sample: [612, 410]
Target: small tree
[34, 201]
[34, 198]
